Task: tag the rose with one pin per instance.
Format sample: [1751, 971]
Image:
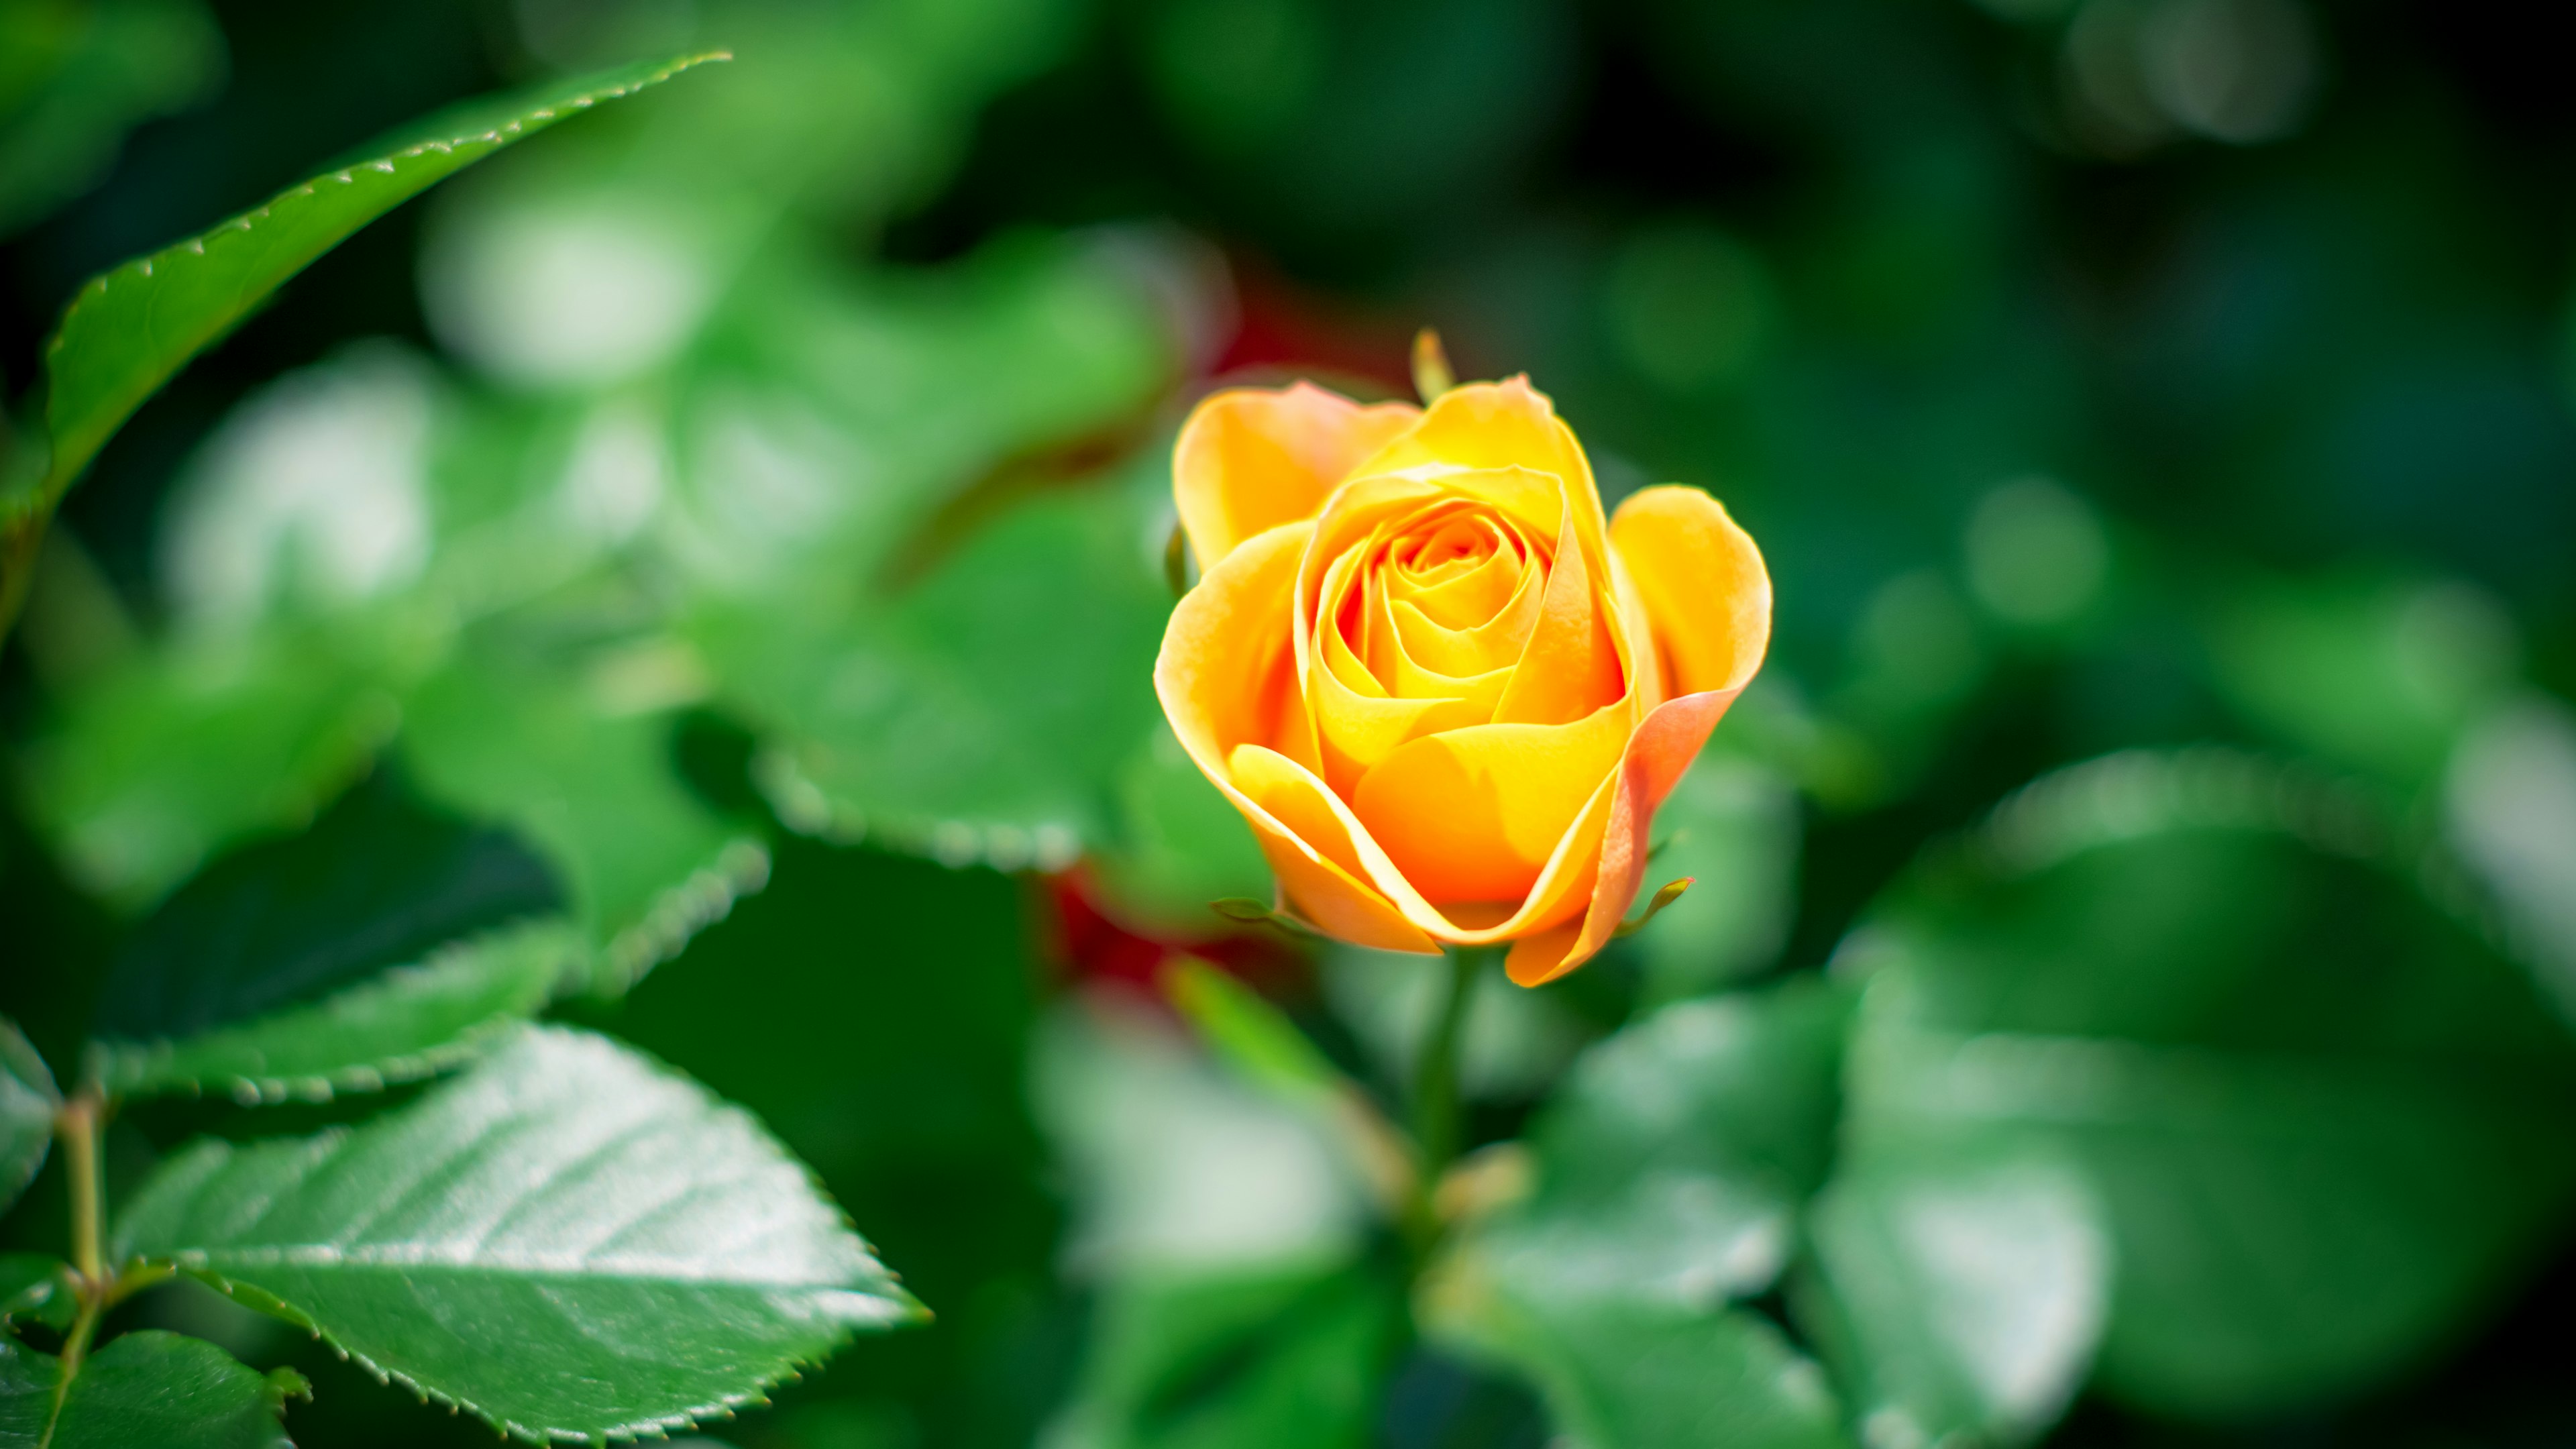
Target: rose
[1446, 694]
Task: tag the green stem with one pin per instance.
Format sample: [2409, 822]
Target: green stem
[77, 1124]
[1435, 1094]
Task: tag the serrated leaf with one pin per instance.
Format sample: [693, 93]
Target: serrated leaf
[372, 947]
[401, 1024]
[647, 861]
[1957, 1296]
[28, 1099]
[1288, 1356]
[566, 1240]
[2192, 976]
[152, 1388]
[130, 329]
[35, 1287]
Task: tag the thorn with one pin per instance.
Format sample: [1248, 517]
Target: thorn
[1431, 373]
[1671, 892]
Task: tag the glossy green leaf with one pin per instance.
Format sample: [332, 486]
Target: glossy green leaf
[380, 945]
[567, 1240]
[648, 862]
[1286, 1357]
[403, 1023]
[2192, 976]
[1957, 1296]
[28, 1098]
[146, 1388]
[1624, 1371]
[35, 1287]
[1179, 844]
[130, 329]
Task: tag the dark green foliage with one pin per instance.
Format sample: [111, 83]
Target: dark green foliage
[27, 1102]
[153, 1388]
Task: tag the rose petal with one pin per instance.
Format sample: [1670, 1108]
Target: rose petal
[1570, 666]
[1474, 814]
[1702, 582]
[1250, 459]
[1225, 679]
[1656, 755]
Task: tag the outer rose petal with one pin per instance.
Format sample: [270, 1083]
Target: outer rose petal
[1250, 459]
[1703, 584]
[1475, 814]
[1226, 680]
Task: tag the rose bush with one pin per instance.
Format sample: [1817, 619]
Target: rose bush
[1447, 693]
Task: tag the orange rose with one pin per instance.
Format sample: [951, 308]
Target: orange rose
[1445, 693]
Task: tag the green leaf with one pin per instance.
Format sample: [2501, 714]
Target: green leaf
[1732, 826]
[1180, 845]
[401, 1024]
[983, 713]
[1957, 1296]
[378, 946]
[1254, 1037]
[1622, 1371]
[28, 1099]
[2191, 976]
[130, 329]
[567, 1240]
[146, 771]
[648, 862]
[1288, 1356]
[1677, 1154]
[161, 1389]
[35, 1287]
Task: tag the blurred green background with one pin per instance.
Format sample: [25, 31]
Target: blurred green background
[756, 496]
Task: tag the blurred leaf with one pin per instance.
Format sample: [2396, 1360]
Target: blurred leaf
[1957, 1296]
[983, 714]
[80, 76]
[1286, 1357]
[378, 881]
[1178, 1166]
[2370, 674]
[405, 1022]
[1180, 845]
[129, 330]
[1621, 1370]
[155, 766]
[1732, 826]
[2509, 809]
[2188, 973]
[28, 1098]
[1252, 1036]
[150, 1387]
[1673, 1161]
[34, 1287]
[649, 864]
[1516, 1041]
[567, 1241]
